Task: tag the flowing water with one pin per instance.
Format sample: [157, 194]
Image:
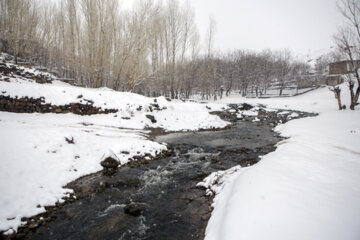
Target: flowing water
[158, 199]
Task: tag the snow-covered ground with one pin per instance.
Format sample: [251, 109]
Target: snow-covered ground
[309, 188]
[37, 161]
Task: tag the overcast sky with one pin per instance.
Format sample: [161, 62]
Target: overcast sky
[300, 25]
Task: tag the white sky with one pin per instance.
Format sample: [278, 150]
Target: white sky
[300, 25]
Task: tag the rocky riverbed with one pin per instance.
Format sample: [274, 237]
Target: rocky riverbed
[159, 199]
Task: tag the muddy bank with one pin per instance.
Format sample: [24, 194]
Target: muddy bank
[159, 199]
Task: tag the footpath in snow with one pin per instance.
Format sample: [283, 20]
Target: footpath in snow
[308, 189]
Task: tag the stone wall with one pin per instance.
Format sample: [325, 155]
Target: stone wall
[32, 105]
[13, 71]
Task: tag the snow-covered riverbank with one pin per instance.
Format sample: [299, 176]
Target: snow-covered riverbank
[38, 160]
[309, 188]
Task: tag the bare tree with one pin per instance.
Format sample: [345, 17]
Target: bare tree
[152, 48]
[174, 20]
[20, 21]
[188, 30]
[211, 63]
[283, 68]
[348, 42]
[337, 92]
[72, 23]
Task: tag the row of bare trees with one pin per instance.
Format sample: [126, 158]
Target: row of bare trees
[247, 72]
[152, 48]
[100, 44]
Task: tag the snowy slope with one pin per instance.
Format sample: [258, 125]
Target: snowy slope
[309, 188]
[37, 160]
[170, 118]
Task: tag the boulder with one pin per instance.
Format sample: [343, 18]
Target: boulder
[246, 107]
[110, 163]
[152, 118]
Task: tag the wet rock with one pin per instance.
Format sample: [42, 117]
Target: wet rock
[155, 106]
[233, 106]
[70, 141]
[83, 189]
[151, 117]
[205, 217]
[225, 115]
[33, 226]
[110, 163]
[246, 107]
[134, 209]
[20, 235]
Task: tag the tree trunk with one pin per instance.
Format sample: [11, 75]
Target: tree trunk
[339, 101]
[354, 97]
[227, 92]
[337, 93]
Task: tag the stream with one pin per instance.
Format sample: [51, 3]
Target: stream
[159, 199]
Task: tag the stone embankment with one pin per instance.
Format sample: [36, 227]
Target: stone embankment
[7, 71]
[32, 105]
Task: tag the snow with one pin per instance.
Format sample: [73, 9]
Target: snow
[283, 113]
[309, 188]
[256, 120]
[215, 182]
[111, 155]
[127, 103]
[293, 115]
[37, 161]
[251, 113]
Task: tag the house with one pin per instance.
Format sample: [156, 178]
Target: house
[337, 70]
[343, 67]
[331, 80]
